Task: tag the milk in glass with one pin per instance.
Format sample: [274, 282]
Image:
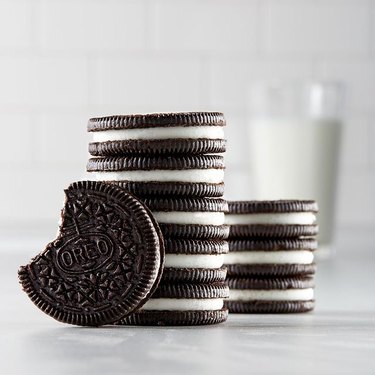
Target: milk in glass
[294, 152]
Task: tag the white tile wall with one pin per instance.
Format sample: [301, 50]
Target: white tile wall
[15, 24]
[82, 26]
[160, 83]
[59, 139]
[62, 61]
[316, 27]
[16, 144]
[206, 26]
[230, 78]
[40, 82]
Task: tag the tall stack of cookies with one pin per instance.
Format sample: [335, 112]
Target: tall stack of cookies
[270, 261]
[173, 163]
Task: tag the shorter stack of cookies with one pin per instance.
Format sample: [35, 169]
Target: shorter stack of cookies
[270, 262]
[170, 162]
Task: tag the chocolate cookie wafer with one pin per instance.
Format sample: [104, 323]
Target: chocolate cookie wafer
[198, 218]
[182, 304]
[157, 134]
[194, 261]
[278, 219]
[167, 189]
[105, 263]
[272, 257]
[271, 295]
[201, 175]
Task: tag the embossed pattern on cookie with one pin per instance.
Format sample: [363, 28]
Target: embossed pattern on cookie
[106, 261]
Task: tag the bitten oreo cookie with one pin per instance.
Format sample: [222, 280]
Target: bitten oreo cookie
[271, 295]
[273, 257]
[277, 219]
[182, 304]
[157, 134]
[105, 263]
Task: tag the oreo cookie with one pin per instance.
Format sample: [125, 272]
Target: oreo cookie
[194, 275]
[198, 232]
[276, 295]
[182, 175]
[182, 304]
[167, 189]
[153, 120]
[272, 219]
[155, 147]
[195, 247]
[273, 257]
[105, 263]
[189, 217]
[194, 261]
[158, 134]
[175, 318]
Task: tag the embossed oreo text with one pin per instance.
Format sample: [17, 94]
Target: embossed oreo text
[85, 253]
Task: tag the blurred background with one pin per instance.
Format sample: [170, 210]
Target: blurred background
[63, 61]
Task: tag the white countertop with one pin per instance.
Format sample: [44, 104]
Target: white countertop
[338, 337]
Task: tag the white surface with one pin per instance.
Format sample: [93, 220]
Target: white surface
[337, 338]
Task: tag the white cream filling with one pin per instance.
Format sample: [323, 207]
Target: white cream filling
[186, 304]
[270, 257]
[302, 218]
[271, 295]
[194, 261]
[213, 176]
[208, 132]
[196, 218]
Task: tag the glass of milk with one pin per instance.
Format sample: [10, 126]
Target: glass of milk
[294, 142]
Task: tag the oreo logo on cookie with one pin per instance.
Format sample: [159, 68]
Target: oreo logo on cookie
[85, 253]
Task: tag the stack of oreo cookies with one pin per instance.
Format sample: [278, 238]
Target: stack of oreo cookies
[173, 164]
[270, 261]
